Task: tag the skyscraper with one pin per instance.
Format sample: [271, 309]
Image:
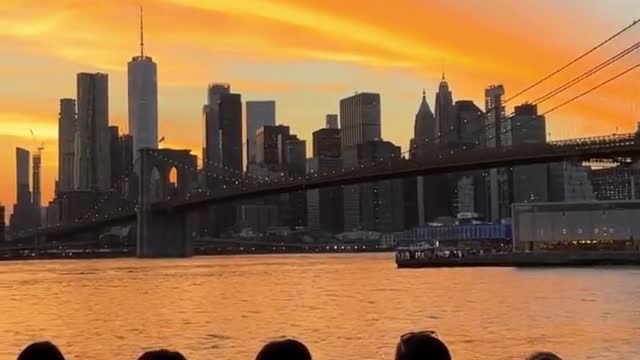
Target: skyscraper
[259, 114]
[24, 216]
[143, 99]
[331, 121]
[211, 114]
[360, 117]
[530, 183]
[360, 123]
[230, 132]
[445, 122]
[66, 136]
[424, 128]
[498, 193]
[381, 202]
[268, 146]
[325, 206]
[2, 223]
[23, 193]
[36, 197]
[92, 170]
[327, 143]
[117, 165]
[294, 164]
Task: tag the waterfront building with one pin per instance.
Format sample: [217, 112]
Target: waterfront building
[584, 225]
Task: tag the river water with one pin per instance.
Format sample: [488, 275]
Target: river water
[342, 306]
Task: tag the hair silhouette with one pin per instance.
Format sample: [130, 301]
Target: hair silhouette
[421, 346]
[162, 355]
[44, 350]
[544, 356]
[287, 349]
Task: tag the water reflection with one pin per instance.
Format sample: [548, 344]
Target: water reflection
[343, 307]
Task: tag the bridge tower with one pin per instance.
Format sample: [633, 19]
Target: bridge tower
[161, 230]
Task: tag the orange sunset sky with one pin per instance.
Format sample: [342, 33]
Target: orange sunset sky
[306, 55]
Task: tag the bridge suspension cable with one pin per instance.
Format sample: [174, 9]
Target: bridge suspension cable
[588, 73]
[575, 60]
[559, 89]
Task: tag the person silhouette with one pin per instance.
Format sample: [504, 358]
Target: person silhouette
[287, 349]
[162, 354]
[44, 350]
[422, 345]
[543, 356]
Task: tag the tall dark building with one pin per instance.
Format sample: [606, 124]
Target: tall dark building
[325, 206]
[498, 180]
[470, 190]
[2, 223]
[66, 144]
[24, 216]
[92, 136]
[327, 143]
[615, 183]
[381, 202]
[230, 131]
[446, 127]
[269, 147]
[294, 165]
[529, 181]
[424, 129]
[117, 164]
[360, 121]
[125, 148]
[470, 123]
[211, 115]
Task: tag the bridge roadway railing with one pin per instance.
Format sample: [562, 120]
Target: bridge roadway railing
[435, 162]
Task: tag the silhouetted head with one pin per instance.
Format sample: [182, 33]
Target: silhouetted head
[162, 355]
[423, 345]
[41, 351]
[287, 349]
[544, 356]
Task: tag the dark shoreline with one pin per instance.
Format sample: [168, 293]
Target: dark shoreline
[546, 259]
[124, 255]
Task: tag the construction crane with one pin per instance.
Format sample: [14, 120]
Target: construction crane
[35, 142]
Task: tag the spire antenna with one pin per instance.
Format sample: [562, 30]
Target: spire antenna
[141, 33]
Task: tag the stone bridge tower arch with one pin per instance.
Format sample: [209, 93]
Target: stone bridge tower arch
[164, 234]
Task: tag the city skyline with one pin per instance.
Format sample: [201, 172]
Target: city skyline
[398, 82]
